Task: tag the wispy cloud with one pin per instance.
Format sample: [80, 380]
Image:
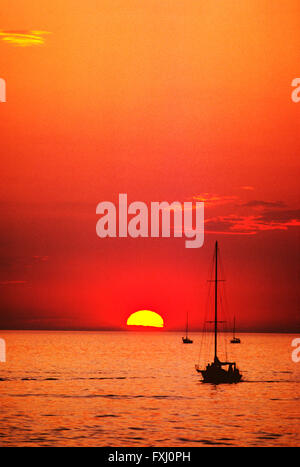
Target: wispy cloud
[23, 38]
[4, 283]
[240, 217]
[212, 200]
[38, 259]
[250, 225]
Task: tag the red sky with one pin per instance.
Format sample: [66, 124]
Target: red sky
[163, 101]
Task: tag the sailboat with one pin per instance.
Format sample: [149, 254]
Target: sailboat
[235, 340]
[218, 372]
[186, 339]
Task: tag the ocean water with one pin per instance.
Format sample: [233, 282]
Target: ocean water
[141, 389]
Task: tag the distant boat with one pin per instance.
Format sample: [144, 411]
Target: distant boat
[218, 372]
[186, 339]
[235, 340]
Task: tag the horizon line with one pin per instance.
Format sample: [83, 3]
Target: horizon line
[149, 329]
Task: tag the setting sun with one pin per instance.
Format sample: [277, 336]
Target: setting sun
[145, 318]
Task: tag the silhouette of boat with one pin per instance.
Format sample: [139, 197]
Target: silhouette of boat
[186, 339]
[218, 372]
[235, 340]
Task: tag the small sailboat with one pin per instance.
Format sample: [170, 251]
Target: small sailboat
[218, 372]
[186, 339]
[235, 340]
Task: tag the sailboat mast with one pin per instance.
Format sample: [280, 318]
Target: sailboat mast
[234, 327]
[216, 301]
[186, 331]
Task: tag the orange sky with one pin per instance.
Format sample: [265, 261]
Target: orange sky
[161, 100]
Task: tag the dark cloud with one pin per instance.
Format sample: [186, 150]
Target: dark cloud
[286, 215]
[12, 282]
[264, 204]
[268, 220]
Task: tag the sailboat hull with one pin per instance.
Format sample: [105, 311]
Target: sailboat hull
[186, 340]
[220, 379]
[220, 376]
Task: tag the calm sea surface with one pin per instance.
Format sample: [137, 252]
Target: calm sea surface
[141, 389]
